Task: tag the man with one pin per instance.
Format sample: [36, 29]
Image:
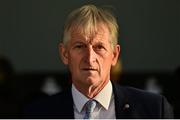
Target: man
[90, 49]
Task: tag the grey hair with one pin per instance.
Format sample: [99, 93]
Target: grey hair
[87, 18]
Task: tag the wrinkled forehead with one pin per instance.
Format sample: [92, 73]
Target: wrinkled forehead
[89, 32]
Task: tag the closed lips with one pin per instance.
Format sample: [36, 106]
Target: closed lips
[89, 68]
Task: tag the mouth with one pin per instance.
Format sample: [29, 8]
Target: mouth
[89, 69]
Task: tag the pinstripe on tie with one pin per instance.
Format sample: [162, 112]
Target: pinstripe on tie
[89, 108]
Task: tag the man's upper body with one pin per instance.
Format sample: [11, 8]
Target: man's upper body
[124, 102]
[90, 48]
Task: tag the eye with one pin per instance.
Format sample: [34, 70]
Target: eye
[79, 46]
[99, 47]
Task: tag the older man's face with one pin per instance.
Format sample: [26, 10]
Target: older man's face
[90, 57]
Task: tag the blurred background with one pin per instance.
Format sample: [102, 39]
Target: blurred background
[30, 66]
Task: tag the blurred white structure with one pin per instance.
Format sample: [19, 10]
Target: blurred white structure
[151, 85]
[50, 86]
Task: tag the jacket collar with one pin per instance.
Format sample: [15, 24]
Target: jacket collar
[68, 111]
[122, 104]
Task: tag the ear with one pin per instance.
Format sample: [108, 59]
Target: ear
[63, 53]
[116, 52]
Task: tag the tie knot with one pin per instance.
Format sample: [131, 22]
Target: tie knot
[89, 108]
[90, 105]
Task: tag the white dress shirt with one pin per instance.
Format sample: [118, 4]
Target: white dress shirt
[105, 108]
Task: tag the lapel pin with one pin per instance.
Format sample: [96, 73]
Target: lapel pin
[126, 106]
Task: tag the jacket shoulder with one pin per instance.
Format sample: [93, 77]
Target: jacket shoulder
[138, 94]
[56, 106]
[145, 104]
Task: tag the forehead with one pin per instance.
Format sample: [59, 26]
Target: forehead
[100, 33]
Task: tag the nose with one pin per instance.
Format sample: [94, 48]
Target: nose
[90, 56]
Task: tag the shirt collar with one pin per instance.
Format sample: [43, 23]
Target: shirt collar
[80, 100]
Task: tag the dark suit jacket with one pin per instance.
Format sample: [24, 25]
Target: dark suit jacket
[141, 105]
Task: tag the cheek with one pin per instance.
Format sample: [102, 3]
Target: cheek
[106, 63]
[74, 61]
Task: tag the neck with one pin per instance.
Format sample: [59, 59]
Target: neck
[91, 91]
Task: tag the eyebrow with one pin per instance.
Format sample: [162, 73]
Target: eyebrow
[84, 42]
[77, 42]
[100, 43]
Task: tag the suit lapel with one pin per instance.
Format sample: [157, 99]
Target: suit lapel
[67, 106]
[122, 105]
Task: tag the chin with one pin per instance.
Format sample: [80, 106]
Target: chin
[92, 81]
